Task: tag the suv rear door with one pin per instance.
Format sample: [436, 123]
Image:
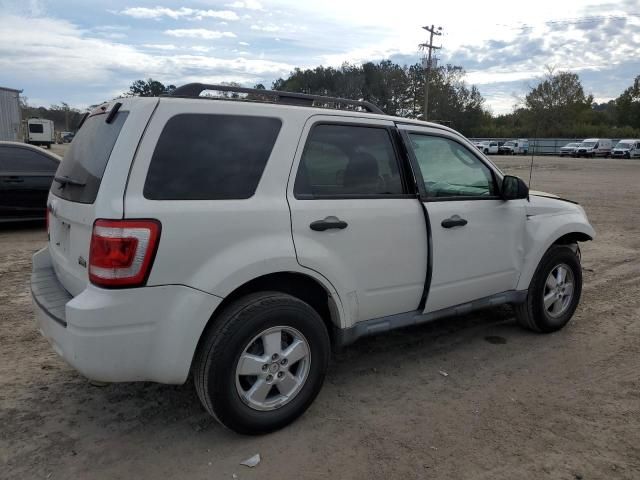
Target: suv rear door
[353, 217]
[91, 183]
[477, 238]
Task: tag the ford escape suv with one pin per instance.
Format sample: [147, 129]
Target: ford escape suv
[239, 240]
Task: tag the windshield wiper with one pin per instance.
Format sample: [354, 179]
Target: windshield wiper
[64, 181]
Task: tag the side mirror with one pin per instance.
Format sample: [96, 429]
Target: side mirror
[514, 188]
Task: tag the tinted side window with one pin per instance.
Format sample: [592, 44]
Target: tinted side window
[16, 159]
[210, 157]
[449, 169]
[36, 128]
[345, 160]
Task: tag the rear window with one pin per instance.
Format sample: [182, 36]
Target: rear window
[87, 158]
[36, 128]
[210, 157]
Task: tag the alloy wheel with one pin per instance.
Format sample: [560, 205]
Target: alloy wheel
[273, 368]
[558, 290]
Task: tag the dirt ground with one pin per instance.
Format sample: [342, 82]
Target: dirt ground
[559, 406]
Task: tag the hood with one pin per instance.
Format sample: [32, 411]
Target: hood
[542, 203]
[538, 193]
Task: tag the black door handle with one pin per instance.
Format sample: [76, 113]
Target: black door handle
[14, 180]
[327, 224]
[454, 221]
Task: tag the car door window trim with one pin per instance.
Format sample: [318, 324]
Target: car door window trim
[404, 133]
[404, 178]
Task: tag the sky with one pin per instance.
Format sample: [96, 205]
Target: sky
[86, 52]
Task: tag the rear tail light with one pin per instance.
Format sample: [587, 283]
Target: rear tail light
[122, 252]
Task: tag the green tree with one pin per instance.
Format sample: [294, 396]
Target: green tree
[628, 105]
[149, 88]
[557, 104]
[397, 90]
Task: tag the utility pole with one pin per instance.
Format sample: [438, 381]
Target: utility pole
[427, 67]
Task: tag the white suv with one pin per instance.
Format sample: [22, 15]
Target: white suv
[238, 240]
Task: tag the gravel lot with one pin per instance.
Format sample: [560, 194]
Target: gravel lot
[560, 406]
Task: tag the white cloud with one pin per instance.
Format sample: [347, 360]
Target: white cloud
[246, 44]
[266, 28]
[70, 59]
[183, 12]
[199, 33]
[248, 4]
[113, 35]
[110, 28]
[200, 48]
[222, 14]
[160, 46]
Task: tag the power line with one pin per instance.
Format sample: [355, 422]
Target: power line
[430, 47]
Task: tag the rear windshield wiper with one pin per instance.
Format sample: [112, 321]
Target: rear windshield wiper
[64, 181]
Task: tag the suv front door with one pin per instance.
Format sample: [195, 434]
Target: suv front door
[476, 237]
[353, 217]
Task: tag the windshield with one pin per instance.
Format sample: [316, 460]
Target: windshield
[624, 145]
[571, 145]
[84, 164]
[588, 144]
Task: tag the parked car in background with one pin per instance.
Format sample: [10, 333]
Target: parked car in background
[594, 147]
[514, 147]
[626, 149]
[40, 132]
[26, 173]
[487, 146]
[66, 137]
[569, 149]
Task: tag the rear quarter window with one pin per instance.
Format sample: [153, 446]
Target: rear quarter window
[210, 157]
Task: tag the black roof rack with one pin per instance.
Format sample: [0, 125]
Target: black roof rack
[288, 98]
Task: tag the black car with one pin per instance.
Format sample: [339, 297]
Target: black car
[26, 173]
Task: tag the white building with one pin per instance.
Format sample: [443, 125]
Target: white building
[10, 114]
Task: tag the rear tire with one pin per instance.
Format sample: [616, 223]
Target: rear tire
[260, 329]
[551, 303]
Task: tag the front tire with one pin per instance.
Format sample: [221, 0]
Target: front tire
[554, 292]
[262, 363]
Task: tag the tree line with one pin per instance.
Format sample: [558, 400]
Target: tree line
[557, 106]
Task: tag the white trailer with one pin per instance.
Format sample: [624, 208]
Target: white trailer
[40, 132]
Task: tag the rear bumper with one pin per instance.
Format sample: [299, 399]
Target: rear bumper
[139, 334]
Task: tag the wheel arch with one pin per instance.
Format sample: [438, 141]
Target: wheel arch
[571, 238]
[300, 285]
[566, 232]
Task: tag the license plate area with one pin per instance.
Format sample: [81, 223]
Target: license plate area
[60, 236]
